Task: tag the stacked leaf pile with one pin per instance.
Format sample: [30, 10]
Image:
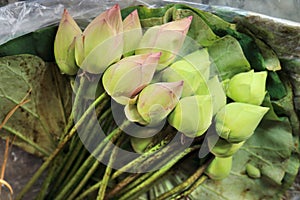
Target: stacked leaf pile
[167, 103]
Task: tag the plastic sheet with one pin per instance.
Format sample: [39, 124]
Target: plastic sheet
[27, 16]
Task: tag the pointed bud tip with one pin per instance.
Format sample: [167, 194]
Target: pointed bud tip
[158, 54]
[66, 14]
[190, 18]
[116, 6]
[133, 13]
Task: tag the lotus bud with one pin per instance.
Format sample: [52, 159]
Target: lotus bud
[192, 116]
[126, 78]
[132, 33]
[167, 38]
[133, 115]
[101, 43]
[64, 44]
[200, 59]
[184, 70]
[157, 100]
[140, 144]
[252, 171]
[218, 94]
[236, 121]
[219, 168]
[223, 148]
[248, 87]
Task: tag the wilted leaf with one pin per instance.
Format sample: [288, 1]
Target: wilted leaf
[42, 120]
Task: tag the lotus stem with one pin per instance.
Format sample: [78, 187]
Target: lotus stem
[60, 146]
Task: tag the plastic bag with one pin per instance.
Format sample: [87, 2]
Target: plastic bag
[26, 16]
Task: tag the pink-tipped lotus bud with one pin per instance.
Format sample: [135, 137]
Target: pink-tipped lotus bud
[126, 78]
[167, 38]
[156, 101]
[101, 42]
[132, 33]
[64, 44]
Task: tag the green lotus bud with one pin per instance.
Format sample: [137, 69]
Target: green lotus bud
[184, 70]
[157, 100]
[133, 115]
[125, 79]
[218, 94]
[132, 33]
[140, 144]
[219, 168]
[252, 171]
[200, 59]
[167, 38]
[101, 43]
[236, 122]
[223, 148]
[248, 87]
[64, 44]
[192, 116]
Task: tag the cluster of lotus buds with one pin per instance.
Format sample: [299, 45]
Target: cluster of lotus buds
[237, 121]
[143, 72]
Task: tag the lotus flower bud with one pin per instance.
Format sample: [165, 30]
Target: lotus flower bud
[236, 122]
[219, 168]
[133, 115]
[132, 33]
[157, 100]
[253, 171]
[218, 94]
[223, 148]
[140, 144]
[167, 38]
[64, 44]
[192, 116]
[200, 59]
[184, 70]
[248, 87]
[101, 43]
[125, 79]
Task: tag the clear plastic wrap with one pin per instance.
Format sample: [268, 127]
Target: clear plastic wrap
[27, 16]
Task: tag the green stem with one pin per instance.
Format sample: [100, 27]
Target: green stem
[154, 177]
[192, 188]
[69, 164]
[43, 191]
[84, 180]
[142, 163]
[89, 174]
[140, 160]
[114, 134]
[79, 95]
[60, 146]
[184, 184]
[89, 191]
[136, 162]
[27, 140]
[105, 179]
[69, 125]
